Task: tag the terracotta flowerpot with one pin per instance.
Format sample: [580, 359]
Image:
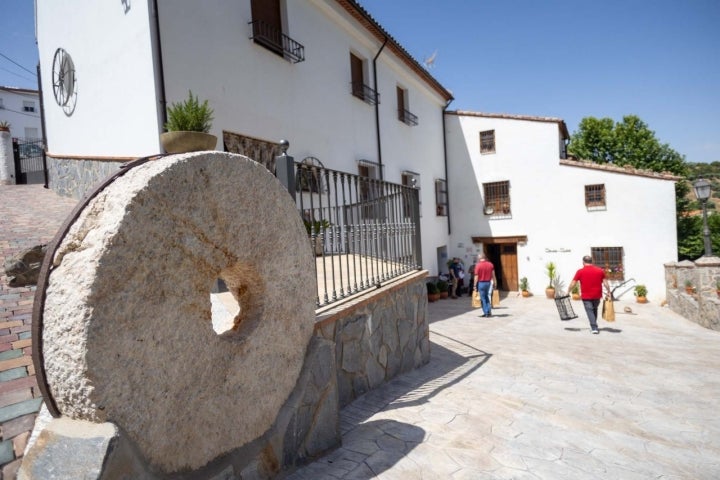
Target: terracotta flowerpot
[525, 293]
[433, 297]
[550, 292]
[640, 299]
[576, 296]
[182, 142]
[689, 290]
[444, 294]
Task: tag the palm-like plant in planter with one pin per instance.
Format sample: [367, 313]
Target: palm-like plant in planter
[188, 125]
[551, 272]
[4, 126]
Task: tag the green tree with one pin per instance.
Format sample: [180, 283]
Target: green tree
[629, 142]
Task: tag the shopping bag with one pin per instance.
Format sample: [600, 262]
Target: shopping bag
[476, 299]
[608, 310]
[495, 298]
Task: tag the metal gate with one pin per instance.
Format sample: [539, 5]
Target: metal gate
[29, 161]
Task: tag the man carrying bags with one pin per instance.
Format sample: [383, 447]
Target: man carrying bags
[592, 280]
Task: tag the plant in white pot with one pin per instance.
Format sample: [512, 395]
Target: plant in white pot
[187, 127]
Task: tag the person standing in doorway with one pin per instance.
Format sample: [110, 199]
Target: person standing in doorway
[485, 277]
[592, 280]
[455, 269]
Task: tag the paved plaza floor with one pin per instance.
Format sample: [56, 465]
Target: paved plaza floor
[524, 395]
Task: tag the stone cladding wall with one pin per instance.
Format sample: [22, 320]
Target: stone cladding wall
[379, 339]
[702, 306]
[74, 178]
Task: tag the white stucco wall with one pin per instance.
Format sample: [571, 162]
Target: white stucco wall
[548, 204]
[116, 113]
[12, 111]
[257, 93]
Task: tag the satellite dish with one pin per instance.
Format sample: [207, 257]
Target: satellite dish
[429, 62]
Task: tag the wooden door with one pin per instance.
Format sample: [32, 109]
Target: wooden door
[509, 268]
[504, 257]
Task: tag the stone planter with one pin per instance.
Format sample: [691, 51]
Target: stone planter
[182, 142]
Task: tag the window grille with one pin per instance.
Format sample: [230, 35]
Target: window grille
[497, 199]
[595, 195]
[410, 179]
[487, 141]
[441, 202]
[610, 259]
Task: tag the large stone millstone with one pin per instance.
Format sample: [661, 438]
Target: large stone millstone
[127, 333]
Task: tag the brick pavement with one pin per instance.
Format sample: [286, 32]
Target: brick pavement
[29, 215]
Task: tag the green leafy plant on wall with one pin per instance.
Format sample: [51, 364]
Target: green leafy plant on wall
[189, 116]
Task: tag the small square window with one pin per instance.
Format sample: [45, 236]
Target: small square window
[28, 106]
[595, 196]
[487, 141]
[497, 199]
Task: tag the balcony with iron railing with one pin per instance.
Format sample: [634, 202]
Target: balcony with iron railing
[276, 41]
[365, 93]
[407, 118]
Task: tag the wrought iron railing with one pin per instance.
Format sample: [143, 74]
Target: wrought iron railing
[407, 117]
[365, 93]
[275, 40]
[364, 232]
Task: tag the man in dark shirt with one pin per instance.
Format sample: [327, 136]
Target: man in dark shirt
[591, 279]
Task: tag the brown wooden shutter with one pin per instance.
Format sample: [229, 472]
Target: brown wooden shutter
[268, 12]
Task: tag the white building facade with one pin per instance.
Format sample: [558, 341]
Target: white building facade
[515, 197]
[333, 92]
[341, 90]
[20, 107]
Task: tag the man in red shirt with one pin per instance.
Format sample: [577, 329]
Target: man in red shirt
[592, 279]
[485, 276]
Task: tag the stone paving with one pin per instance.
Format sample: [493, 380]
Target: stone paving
[29, 215]
[523, 395]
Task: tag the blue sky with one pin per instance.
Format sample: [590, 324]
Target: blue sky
[658, 59]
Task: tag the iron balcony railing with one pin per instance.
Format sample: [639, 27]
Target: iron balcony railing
[274, 40]
[364, 232]
[365, 93]
[406, 117]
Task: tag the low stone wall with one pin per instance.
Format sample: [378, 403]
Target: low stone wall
[702, 305]
[378, 337]
[74, 178]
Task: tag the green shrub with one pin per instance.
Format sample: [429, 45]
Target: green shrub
[640, 291]
[189, 116]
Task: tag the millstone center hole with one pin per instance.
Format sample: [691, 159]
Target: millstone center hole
[237, 300]
[224, 307]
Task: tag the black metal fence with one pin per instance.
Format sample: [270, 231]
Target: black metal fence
[29, 156]
[364, 232]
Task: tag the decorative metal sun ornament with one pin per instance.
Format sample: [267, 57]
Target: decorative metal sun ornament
[64, 81]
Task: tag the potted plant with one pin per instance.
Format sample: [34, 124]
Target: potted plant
[4, 126]
[442, 287]
[524, 287]
[316, 232]
[689, 289]
[551, 272]
[575, 292]
[641, 293]
[187, 127]
[432, 291]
